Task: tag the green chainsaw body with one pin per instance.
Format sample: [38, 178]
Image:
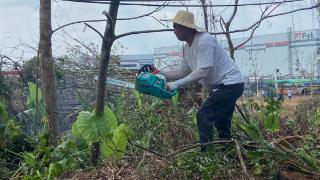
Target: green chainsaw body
[148, 83]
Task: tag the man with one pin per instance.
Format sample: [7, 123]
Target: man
[289, 94]
[204, 60]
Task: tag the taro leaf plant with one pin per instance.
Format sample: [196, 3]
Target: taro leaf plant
[271, 117]
[103, 129]
[29, 118]
[32, 100]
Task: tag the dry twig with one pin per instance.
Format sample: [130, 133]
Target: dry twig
[244, 169]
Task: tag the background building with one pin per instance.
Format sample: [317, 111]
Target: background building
[136, 61]
[292, 54]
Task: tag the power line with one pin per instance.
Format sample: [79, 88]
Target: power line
[139, 0]
[179, 5]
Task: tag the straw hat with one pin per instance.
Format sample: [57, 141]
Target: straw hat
[185, 18]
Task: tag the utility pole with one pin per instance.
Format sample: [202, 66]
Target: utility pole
[290, 51]
[275, 79]
[312, 75]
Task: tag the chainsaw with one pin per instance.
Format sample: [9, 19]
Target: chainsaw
[148, 81]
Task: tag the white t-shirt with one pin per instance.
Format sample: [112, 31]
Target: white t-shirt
[205, 52]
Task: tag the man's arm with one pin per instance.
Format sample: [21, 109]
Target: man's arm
[196, 75]
[176, 74]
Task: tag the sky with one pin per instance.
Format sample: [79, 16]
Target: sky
[19, 25]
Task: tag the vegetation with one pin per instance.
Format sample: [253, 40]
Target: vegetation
[141, 137]
[137, 130]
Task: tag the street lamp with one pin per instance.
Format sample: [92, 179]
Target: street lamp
[276, 78]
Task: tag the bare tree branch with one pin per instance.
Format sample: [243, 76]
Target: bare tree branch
[84, 45]
[141, 32]
[147, 14]
[233, 14]
[177, 5]
[205, 14]
[110, 20]
[77, 22]
[95, 30]
[254, 29]
[244, 169]
[267, 17]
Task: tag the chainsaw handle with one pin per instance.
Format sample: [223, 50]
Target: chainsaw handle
[148, 68]
[173, 93]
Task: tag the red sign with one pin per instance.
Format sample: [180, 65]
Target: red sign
[303, 35]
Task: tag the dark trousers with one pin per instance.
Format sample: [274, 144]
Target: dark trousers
[217, 111]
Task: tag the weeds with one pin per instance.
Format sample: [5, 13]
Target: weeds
[152, 135]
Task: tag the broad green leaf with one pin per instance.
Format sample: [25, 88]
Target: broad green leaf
[93, 127]
[111, 118]
[252, 131]
[116, 146]
[272, 122]
[75, 130]
[83, 116]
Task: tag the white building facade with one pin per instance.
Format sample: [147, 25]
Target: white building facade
[291, 54]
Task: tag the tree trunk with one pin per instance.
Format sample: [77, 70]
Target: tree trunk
[107, 42]
[46, 70]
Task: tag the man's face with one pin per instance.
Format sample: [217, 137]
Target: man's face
[179, 31]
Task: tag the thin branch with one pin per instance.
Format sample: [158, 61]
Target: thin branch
[147, 14]
[248, 39]
[95, 30]
[159, 21]
[267, 17]
[244, 169]
[176, 5]
[192, 146]
[183, 148]
[233, 14]
[84, 45]
[217, 33]
[148, 150]
[77, 22]
[254, 29]
[213, 33]
[136, 0]
[140, 32]
[205, 14]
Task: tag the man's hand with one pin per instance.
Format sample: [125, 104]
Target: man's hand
[172, 85]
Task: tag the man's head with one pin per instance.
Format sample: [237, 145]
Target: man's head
[183, 24]
[183, 32]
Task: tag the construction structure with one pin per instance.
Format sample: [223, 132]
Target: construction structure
[295, 54]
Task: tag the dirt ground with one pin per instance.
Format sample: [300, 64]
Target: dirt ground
[294, 101]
